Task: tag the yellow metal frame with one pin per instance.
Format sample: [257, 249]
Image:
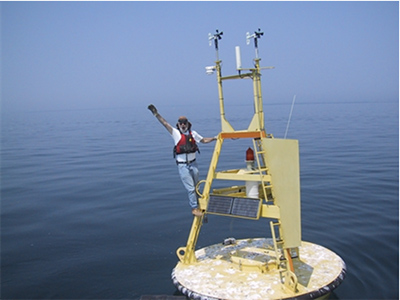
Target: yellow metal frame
[277, 171]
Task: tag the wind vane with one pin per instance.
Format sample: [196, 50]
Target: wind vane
[216, 36]
[256, 35]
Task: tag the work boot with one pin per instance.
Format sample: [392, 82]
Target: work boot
[197, 212]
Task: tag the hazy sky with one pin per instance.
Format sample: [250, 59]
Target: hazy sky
[83, 55]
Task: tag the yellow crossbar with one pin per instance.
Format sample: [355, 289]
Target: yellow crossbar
[243, 134]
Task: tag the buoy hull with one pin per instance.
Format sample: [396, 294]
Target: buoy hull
[248, 270]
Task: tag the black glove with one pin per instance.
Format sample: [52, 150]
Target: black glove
[152, 108]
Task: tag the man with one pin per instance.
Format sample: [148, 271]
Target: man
[185, 154]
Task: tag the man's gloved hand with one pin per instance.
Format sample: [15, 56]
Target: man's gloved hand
[152, 108]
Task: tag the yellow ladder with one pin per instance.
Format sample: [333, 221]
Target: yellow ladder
[284, 262]
[278, 241]
[267, 187]
[262, 168]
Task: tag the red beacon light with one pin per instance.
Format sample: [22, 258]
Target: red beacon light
[249, 154]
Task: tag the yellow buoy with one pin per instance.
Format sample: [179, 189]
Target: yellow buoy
[280, 265]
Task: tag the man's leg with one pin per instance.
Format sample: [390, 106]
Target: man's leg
[189, 184]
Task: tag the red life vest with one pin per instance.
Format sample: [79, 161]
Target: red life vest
[186, 144]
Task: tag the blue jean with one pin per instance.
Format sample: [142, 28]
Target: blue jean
[189, 174]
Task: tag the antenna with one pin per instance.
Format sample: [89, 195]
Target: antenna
[256, 35]
[216, 36]
[238, 58]
[290, 116]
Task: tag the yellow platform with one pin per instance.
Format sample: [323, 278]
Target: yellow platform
[247, 270]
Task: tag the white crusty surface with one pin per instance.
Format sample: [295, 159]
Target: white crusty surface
[215, 275]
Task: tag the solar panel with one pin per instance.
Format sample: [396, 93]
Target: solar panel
[246, 207]
[234, 206]
[220, 204]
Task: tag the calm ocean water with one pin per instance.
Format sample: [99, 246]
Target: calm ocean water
[92, 206]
